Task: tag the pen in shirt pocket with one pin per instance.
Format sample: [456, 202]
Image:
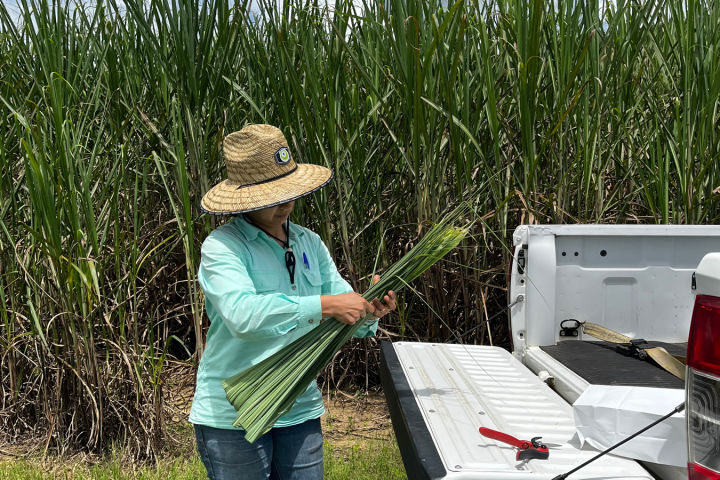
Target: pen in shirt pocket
[305, 261]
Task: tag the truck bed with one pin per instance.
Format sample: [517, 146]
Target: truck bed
[600, 364]
[636, 280]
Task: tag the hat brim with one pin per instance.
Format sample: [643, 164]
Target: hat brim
[227, 198]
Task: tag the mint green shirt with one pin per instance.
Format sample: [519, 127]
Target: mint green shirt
[254, 311]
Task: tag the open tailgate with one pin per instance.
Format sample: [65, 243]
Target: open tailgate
[440, 394]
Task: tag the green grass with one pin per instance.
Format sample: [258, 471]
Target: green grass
[109, 470]
[370, 460]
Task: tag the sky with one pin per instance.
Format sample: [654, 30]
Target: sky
[12, 5]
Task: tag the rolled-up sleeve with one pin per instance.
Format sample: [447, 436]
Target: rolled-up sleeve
[247, 313]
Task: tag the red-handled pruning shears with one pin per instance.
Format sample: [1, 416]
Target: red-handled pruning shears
[527, 449]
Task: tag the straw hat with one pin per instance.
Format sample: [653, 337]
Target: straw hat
[261, 173]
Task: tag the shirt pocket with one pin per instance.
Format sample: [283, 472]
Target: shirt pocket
[265, 281]
[313, 281]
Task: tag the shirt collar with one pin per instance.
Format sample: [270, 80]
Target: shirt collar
[251, 233]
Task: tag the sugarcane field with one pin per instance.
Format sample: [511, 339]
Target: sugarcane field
[303, 238]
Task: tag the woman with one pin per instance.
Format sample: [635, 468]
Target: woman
[267, 282]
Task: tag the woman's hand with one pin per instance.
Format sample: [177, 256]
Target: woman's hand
[350, 307]
[390, 302]
[346, 307]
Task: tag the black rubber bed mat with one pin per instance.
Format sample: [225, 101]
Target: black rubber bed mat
[600, 364]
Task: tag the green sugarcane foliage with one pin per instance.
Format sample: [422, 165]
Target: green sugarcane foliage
[264, 392]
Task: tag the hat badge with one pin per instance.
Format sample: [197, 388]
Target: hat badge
[282, 156]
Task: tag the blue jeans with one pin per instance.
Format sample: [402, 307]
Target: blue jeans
[288, 453]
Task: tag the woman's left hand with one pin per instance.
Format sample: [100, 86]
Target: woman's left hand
[387, 305]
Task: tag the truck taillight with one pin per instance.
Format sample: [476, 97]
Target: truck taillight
[698, 472]
[703, 390]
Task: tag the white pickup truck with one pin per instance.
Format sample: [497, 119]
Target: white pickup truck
[644, 282]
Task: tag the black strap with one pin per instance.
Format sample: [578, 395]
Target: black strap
[289, 255]
[677, 409]
[290, 264]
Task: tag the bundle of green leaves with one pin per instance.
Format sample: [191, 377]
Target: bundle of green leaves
[264, 392]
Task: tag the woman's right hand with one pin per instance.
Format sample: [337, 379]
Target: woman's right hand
[346, 307]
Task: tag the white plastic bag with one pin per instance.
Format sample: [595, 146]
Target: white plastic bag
[605, 415]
